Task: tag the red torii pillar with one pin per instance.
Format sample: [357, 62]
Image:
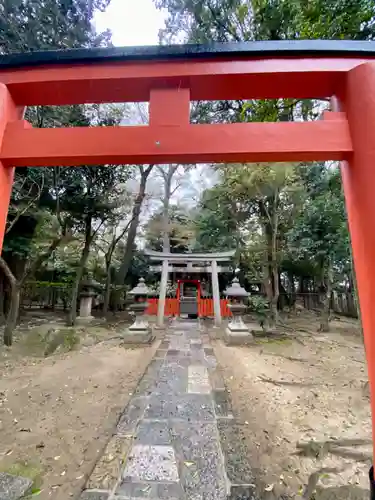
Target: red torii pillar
[9, 112]
[358, 102]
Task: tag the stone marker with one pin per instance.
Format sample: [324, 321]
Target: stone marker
[13, 487]
[237, 333]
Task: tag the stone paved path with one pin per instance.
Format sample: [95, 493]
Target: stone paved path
[172, 430]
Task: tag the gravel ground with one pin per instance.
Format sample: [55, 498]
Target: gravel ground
[58, 413]
[304, 389]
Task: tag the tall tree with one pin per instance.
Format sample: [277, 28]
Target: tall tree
[144, 171]
[25, 26]
[319, 234]
[216, 220]
[90, 195]
[180, 230]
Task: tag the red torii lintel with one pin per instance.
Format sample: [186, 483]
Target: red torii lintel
[170, 77]
[240, 142]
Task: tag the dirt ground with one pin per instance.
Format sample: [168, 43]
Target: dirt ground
[303, 403]
[58, 413]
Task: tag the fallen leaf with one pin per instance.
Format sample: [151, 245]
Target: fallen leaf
[56, 458]
[188, 464]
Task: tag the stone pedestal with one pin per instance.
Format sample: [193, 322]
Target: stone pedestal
[140, 331]
[85, 307]
[237, 333]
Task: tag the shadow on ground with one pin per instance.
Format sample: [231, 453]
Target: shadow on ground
[341, 492]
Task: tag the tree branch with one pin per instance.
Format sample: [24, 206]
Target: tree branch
[26, 208]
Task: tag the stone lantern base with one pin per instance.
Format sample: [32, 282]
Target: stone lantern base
[138, 333]
[237, 333]
[236, 337]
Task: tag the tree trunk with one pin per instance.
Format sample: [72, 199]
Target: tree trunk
[274, 264]
[107, 294]
[12, 316]
[324, 321]
[291, 291]
[270, 268]
[35, 265]
[2, 301]
[16, 286]
[81, 266]
[267, 273]
[166, 202]
[275, 292]
[132, 233]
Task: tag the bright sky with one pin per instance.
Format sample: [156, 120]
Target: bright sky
[132, 22]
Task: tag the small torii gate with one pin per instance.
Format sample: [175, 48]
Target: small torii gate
[190, 258]
[169, 78]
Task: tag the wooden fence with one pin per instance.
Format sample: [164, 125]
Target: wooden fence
[205, 307]
[342, 303]
[56, 296]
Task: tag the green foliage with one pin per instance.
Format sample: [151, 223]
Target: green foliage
[239, 20]
[28, 25]
[215, 224]
[319, 234]
[65, 339]
[48, 284]
[181, 233]
[260, 306]
[329, 19]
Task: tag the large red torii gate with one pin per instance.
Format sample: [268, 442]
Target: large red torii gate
[170, 78]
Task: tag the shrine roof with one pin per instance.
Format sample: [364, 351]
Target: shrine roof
[190, 257]
[235, 50]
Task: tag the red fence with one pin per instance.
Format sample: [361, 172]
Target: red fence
[205, 307]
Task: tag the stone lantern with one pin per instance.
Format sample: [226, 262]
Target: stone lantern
[89, 290]
[237, 332]
[139, 332]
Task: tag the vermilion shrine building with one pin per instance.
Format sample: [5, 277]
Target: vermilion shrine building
[169, 78]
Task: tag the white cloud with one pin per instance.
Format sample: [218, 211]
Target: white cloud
[132, 22]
